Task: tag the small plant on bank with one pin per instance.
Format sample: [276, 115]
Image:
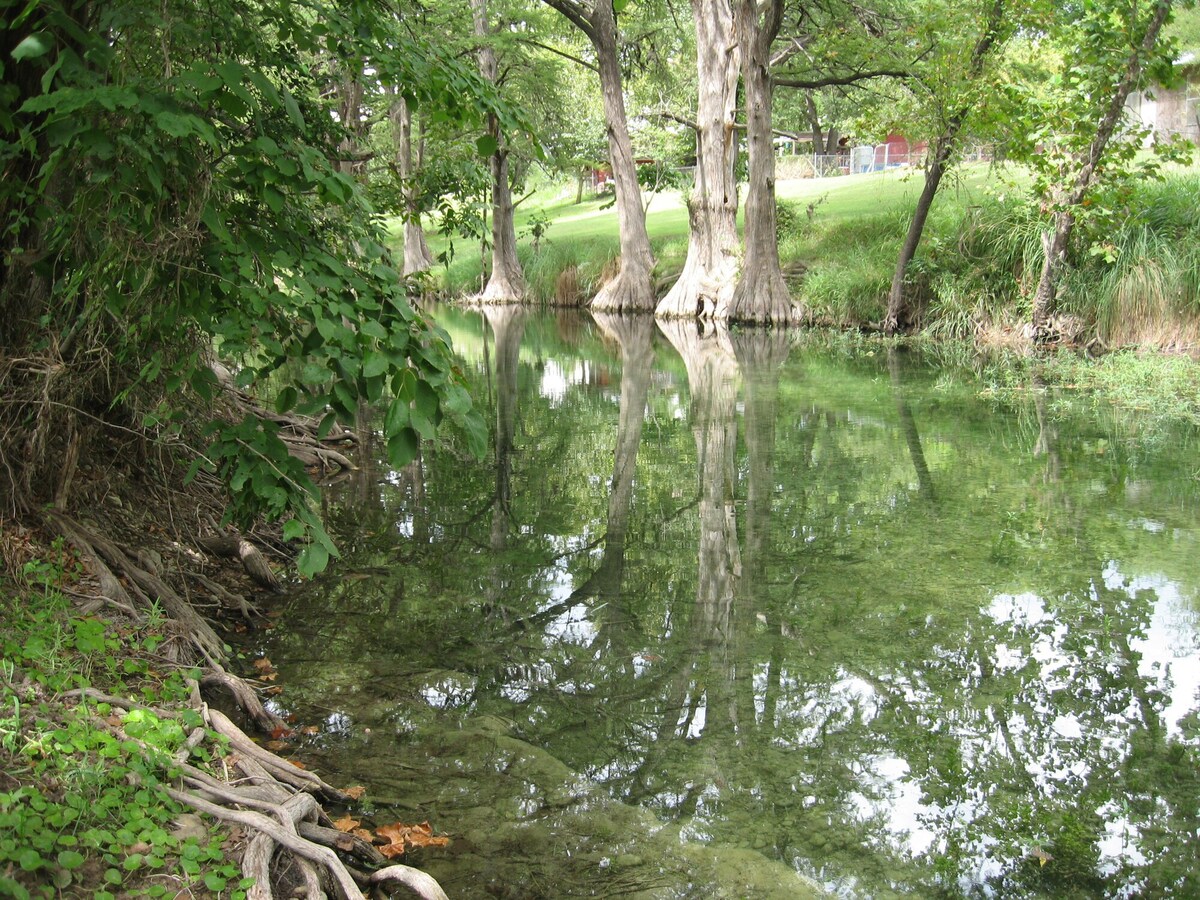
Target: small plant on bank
[82, 809]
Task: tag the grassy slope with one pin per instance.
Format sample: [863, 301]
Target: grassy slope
[975, 266]
[585, 234]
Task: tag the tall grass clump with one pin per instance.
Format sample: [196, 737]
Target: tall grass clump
[1144, 287]
[988, 263]
[849, 282]
[566, 273]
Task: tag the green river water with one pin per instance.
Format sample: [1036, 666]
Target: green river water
[724, 615]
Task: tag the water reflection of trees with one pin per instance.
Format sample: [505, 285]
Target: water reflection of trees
[806, 661]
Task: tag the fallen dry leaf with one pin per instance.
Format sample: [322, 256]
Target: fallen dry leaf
[276, 745]
[345, 842]
[346, 823]
[263, 665]
[363, 834]
[275, 689]
[401, 837]
[297, 764]
[391, 851]
[311, 729]
[268, 676]
[355, 792]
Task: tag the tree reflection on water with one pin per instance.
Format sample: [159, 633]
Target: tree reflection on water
[815, 613]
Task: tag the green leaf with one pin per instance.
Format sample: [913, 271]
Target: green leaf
[402, 447]
[375, 364]
[287, 399]
[293, 529]
[312, 560]
[487, 145]
[33, 46]
[422, 424]
[215, 882]
[396, 418]
[70, 859]
[293, 109]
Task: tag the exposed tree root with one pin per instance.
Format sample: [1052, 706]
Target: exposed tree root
[277, 833]
[299, 433]
[290, 847]
[244, 695]
[100, 554]
[237, 547]
[415, 880]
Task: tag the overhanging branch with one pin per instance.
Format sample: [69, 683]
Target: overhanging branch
[840, 80]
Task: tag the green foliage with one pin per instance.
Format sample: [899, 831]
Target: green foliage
[83, 806]
[179, 188]
[1057, 118]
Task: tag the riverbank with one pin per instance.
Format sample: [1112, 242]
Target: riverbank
[139, 754]
[1134, 281]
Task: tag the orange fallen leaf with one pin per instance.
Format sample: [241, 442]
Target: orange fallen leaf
[346, 823]
[355, 792]
[276, 745]
[311, 729]
[268, 676]
[275, 689]
[363, 834]
[344, 842]
[401, 836]
[263, 665]
[280, 732]
[297, 764]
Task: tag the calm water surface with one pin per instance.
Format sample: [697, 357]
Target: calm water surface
[725, 617]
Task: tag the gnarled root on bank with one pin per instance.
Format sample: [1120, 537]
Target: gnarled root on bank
[275, 803]
[291, 846]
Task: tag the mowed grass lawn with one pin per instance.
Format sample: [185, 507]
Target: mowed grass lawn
[585, 234]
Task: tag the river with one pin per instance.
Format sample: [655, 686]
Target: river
[738, 615]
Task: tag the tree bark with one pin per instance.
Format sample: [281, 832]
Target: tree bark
[1056, 241]
[898, 314]
[633, 288]
[761, 295]
[814, 122]
[417, 257]
[705, 287]
[507, 281]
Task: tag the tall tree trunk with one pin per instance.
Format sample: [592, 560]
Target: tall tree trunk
[814, 122]
[507, 282]
[898, 315]
[350, 114]
[633, 288]
[417, 257]
[705, 287]
[1056, 241]
[761, 295]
